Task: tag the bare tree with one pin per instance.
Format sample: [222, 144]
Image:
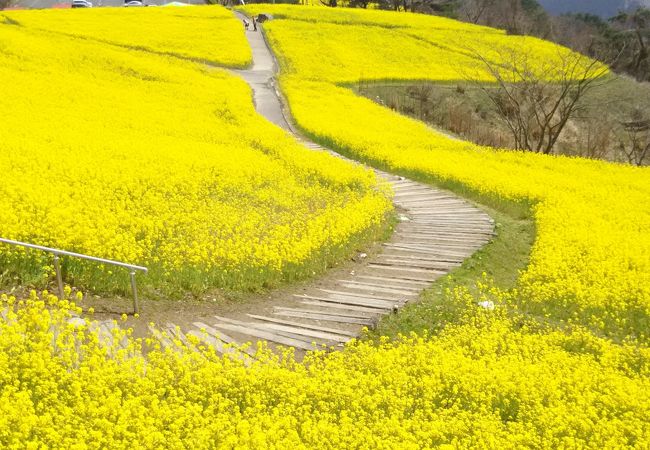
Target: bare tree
[637, 145]
[633, 37]
[534, 98]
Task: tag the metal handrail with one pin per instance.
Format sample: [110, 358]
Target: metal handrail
[57, 266]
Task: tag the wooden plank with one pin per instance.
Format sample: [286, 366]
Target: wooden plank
[421, 284]
[104, 330]
[449, 218]
[451, 209]
[424, 199]
[220, 347]
[442, 209]
[407, 186]
[268, 336]
[441, 198]
[474, 232]
[422, 227]
[232, 321]
[428, 279]
[325, 304]
[409, 242]
[175, 332]
[378, 305]
[376, 288]
[216, 333]
[426, 248]
[349, 315]
[383, 283]
[461, 208]
[399, 180]
[432, 212]
[454, 221]
[438, 224]
[212, 341]
[441, 224]
[417, 227]
[293, 331]
[164, 340]
[323, 317]
[416, 264]
[413, 248]
[408, 269]
[410, 187]
[436, 239]
[457, 228]
[439, 251]
[436, 259]
[464, 215]
[415, 196]
[447, 214]
[226, 339]
[345, 294]
[423, 249]
[303, 325]
[410, 202]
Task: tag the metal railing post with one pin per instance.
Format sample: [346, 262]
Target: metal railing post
[57, 266]
[136, 305]
[59, 276]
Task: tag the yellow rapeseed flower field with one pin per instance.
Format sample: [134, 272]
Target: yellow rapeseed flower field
[491, 379]
[346, 46]
[152, 160]
[488, 381]
[204, 34]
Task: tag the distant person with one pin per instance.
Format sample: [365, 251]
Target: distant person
[254, 24]
[246, 24]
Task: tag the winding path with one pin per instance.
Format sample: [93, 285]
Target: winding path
[436, 232]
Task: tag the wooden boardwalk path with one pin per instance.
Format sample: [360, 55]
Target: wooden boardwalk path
[436, 232]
